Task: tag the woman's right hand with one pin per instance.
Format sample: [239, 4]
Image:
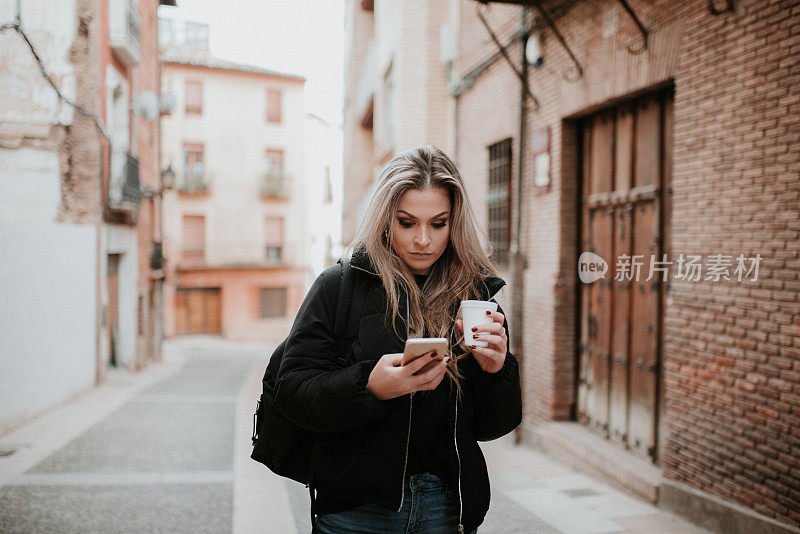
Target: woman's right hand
[390, 379]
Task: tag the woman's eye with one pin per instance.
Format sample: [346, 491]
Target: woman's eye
[439, 225]
[406, 224]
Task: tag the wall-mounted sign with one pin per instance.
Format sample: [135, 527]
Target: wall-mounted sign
[540, 148]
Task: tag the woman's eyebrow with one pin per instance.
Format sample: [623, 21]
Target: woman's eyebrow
[414, 217]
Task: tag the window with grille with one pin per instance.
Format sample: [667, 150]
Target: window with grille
[274, 105]
[194, 180]
[272, 302]
[274, 239]
[193, 242]
[498, 199]
[274, 182]
[328, 186]
[194, 96]
[390, 107]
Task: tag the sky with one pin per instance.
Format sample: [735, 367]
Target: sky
[302, 37]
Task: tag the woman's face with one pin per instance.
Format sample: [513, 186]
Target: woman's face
[421, 227]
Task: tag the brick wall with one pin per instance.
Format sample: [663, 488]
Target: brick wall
[357, 141]
[731, 350]
[148, 144]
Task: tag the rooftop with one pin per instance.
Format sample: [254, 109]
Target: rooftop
[191, 58]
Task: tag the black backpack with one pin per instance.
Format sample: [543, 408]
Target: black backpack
[279, 443]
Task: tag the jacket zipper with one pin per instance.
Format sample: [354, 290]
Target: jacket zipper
[408, 436]
[458, 456]
[405, 461]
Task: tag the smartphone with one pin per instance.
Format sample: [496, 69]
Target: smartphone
[417, 346]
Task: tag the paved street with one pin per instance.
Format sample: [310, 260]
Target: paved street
[167, 451]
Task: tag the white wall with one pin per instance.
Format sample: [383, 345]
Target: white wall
[47, 281]
[324, 222]
[25, 96]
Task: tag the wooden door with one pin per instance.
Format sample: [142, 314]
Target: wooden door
[112, 312]
[198, 311]
[623, 174]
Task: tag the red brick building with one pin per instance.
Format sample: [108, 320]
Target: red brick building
[663, 137]
[663, 129]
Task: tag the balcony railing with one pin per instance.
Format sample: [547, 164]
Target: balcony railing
[183, 34]
[124, 193]
[123, 31]
[157, 258]
[193, 187]
[195, 181]
[274, 185]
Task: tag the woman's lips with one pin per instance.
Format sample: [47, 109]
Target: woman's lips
[421, 255]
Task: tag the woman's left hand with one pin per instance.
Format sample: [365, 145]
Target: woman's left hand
[490, 358]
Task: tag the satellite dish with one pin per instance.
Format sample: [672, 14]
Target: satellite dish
[533, 50]
[147, 105]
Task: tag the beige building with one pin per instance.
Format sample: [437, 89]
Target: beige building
[235, 225]
[395, 90]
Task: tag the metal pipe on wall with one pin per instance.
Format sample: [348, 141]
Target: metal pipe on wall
[517, 258]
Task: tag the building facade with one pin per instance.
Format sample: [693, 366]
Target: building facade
[235, 226]
[663, 140]
[79, 167]
[395, 90]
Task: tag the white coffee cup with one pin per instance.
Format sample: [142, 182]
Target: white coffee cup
[473, 313]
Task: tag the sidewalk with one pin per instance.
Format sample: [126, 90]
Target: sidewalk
[167, 450]
[531, 493]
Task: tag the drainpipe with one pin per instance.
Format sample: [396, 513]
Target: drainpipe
[518, 260]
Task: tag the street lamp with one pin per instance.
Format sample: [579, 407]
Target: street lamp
[167, 178]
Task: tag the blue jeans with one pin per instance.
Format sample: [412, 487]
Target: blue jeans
[427, 509]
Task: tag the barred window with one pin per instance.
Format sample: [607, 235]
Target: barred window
[498, 199]
[272, 302]
[274, 105]
[194, 96]
[274, 239]
[193, 243]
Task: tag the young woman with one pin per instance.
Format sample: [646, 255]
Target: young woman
[398, 451]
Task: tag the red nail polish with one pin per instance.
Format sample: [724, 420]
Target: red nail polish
[474, 346]
[433, 355]
[474, 328]
[488, 312]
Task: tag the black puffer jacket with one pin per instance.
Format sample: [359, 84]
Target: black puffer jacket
[362, 452]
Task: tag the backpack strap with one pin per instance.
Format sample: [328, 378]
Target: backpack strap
[349, 304]
[346, 284]
[345, 329]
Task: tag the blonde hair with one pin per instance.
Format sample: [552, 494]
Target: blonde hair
[458, 273]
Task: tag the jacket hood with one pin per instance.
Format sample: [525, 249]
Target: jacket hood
[361, 260]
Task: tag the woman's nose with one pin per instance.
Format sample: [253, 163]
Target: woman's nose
[422, 238]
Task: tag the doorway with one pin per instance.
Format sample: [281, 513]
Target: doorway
[198, 311]
[625, 165]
